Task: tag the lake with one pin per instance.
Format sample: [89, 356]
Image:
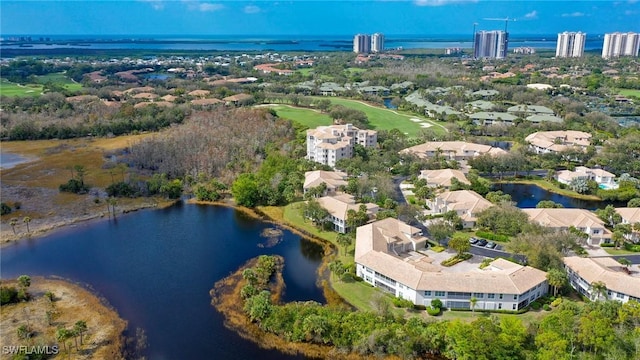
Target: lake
[528, 196]
[156, 268]
[9, 160]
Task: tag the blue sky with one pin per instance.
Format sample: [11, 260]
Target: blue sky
[304, 17]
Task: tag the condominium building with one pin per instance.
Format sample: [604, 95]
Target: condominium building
[328, 144]
[570, 44]
[451, 150]
[387, 257]
[442, 178]
[564, 219]
[362, 43]
[620, 44]
[333, 180]
[604, 178]
[466, 203]
[490, 44]
[543, 142]
[338, 207]
[620, 282]
[377, 43]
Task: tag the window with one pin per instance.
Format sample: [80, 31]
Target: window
[620, 296]
[499, 306]
[427, 293]
[491, 296]
[596, 231]
[513, 307]
[500, 296]
[478, 295]
[439, 293]
[515, 297]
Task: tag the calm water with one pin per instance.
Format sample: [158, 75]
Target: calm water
[156, 268]
[528, 196]
[9, 160]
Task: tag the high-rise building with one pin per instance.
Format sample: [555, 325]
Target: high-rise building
[490, 44]
[570, 44]
[377, 43]
[362, 43]
[620, 44]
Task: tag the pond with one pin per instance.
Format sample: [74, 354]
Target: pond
[156, 268]
[388, 104]
[528, 196]
[9, 160]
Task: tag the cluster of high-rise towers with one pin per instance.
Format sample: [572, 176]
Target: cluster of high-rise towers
[365, 43]
[494, 44]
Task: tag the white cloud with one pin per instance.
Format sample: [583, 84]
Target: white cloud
[439, 2]
[195, 5]
[531, 15]
[251, 9]
[574, 14]
[210, 7]
[155, 4]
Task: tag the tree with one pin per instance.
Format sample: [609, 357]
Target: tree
[13, 224]
[337, 268]
[598, 289]
[460, 244]
[557, 279]
[497, 197]
[579, 185]
[548, 204]
[62, 335]
[440, 230]
[635, 202]
[245, 190]
[27, 220]
[345, 240]
[503, 219]
[609, 215]
[24, 281]
[473, 302]
[112, 201]
[453, 219]
[624, 261]
[80, 327]
[6, 209]
[314, 211]
[618, 238]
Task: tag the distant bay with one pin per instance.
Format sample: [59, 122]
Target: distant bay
[264, 43]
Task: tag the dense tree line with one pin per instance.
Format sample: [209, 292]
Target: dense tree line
[600, 330]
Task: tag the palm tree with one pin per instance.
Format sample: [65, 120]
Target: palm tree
[473, 301]
[344, 240]
[80, 327]
[113, 202]
[625, 262]
[557, 279]
[598, 289]
[27, 220]
[62, 335]
[13, 224]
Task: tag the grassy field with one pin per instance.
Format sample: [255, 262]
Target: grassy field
[384, 119]
[8, 88]
[60, 79]
[305, 71]
[306, 117]
[629, 92]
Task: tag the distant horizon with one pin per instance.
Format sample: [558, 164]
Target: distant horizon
[306, 18]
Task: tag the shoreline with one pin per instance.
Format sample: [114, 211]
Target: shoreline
[7, 238]
[551, 189]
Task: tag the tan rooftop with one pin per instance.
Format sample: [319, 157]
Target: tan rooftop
[605, 270]
[199, 92]
[458, 148]
[559, 140]
[629, 215]
[212, 101]
[443, 177]
[333, 179]
[339, 205]
[565, 218]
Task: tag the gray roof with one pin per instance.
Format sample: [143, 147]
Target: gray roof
[531, 109]
[538, 118]
[485, 93]
[482, 104]
[494, 116]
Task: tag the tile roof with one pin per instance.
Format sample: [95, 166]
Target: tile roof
[607, 271]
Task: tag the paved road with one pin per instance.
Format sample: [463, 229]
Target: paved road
[493, 253]
[635, 259]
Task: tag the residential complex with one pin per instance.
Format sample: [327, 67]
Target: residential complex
[543, 142]
[442, 178]
[328, 144]
[563, 219]
[466, 203]
[631, 216]
[452, 150]
[387, 257]
[604, 178]
[377, 43]
[621, 284]
[333, 180]
[362, 43]
[490, 44]
[620, 44]
[570, 44]
[338, 207]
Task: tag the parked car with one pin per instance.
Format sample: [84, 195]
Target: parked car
[481, 242]
[490, 245]
[473, 240]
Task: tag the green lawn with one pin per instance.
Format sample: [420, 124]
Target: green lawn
[629, 92]
[613, 251]
[306, 117]
[8, 88]
[60, 79]
[527, 318]
[354, 70]
[305, 71]
[358, 294]
[385, 119]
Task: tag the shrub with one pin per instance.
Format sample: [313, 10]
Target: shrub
[402, 303]
[438, 248]
[491, 236]
[433, 311]
[120, 189]
[556, 302]
[546, 307]
[8, 295]
[17, 205]
[607, 245]
[419, 307]
[6, 209]
[436, 303]
[631, 247]
[535, 305]
[74, 186]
